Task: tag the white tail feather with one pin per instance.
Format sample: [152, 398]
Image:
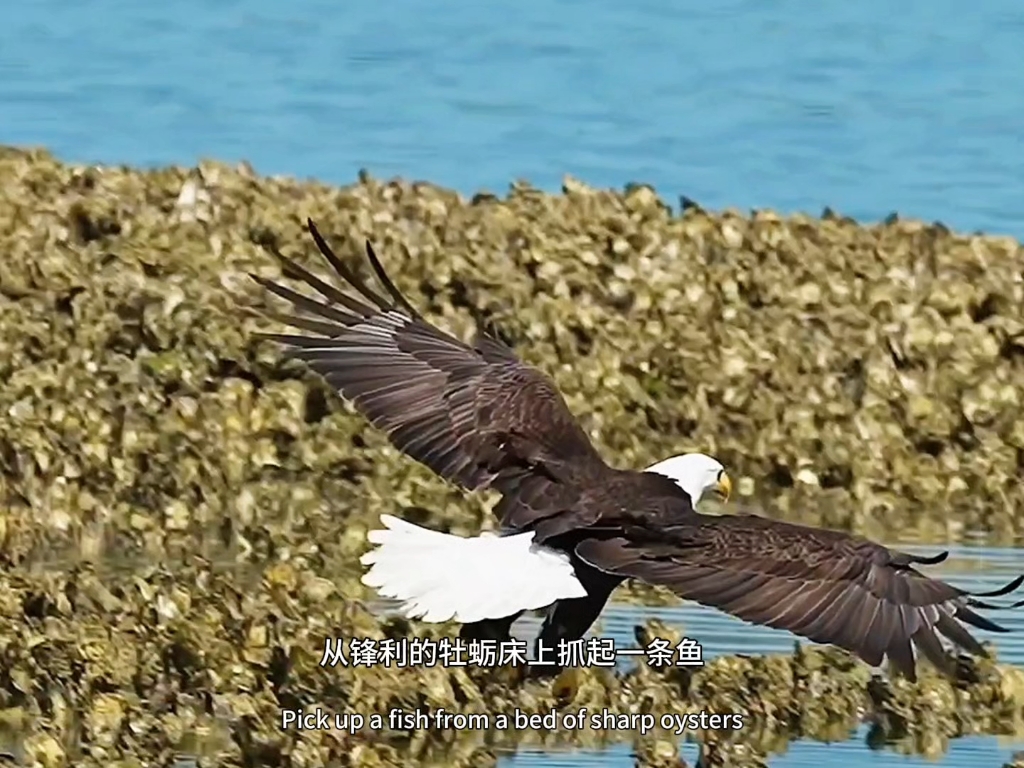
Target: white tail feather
[440, 577]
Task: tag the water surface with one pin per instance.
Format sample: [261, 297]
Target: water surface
[868, 107]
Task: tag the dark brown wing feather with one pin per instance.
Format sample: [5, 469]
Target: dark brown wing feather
[475, 414]
[823, 585]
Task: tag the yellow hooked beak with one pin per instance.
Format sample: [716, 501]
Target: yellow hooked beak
[723, 488]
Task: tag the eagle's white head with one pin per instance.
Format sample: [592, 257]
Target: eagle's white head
[697, 474]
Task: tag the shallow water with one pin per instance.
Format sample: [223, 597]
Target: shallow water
[970, 567]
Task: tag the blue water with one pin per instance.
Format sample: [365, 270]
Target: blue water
[968, 752]
[867, 107]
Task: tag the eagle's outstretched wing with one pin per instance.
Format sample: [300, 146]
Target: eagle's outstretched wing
[473, 413]
[823, 585]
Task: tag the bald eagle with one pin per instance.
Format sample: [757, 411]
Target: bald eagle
[571, 527]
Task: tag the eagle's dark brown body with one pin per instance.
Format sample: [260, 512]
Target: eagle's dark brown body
[480, 418]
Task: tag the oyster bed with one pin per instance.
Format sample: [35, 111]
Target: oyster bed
[182, 513]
